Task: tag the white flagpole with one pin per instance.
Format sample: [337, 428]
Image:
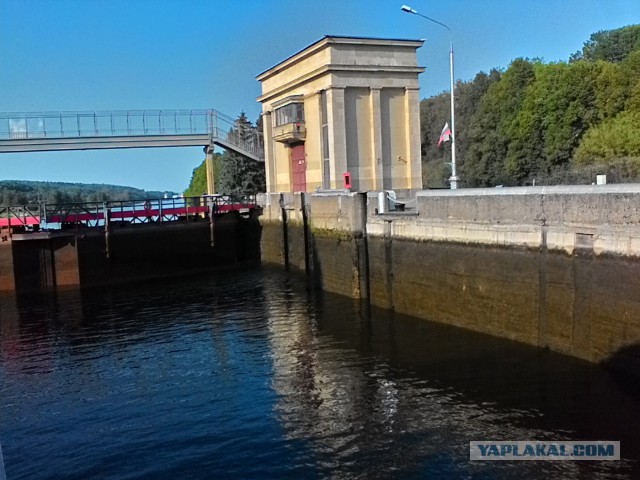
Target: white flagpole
[454, 178]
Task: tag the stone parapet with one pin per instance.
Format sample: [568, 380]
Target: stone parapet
[604, 219]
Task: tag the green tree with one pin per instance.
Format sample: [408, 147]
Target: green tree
[434, 112]
[240, 175]
[616, 138]
[198, 184]
[559, 107]
[610, 45]
[234, 174]
[492, 125]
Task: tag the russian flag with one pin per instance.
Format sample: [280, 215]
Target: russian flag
[445, 136]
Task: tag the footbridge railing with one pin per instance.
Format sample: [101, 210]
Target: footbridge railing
[41, 131]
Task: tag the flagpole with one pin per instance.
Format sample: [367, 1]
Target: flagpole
[453, 181]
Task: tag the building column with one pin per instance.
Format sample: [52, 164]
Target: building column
[211, 186]
[269, 156]
[412, 128]
[337, 135]
[376, 138]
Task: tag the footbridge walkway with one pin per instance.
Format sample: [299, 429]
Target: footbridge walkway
[50, 131]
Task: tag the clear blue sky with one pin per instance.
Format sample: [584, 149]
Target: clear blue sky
[182, 54]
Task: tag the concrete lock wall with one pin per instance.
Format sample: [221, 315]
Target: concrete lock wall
[554, 267]
[319, 234]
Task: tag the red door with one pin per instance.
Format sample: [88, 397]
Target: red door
[299, 168]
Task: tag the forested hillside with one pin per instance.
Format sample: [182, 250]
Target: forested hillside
[22, 192]
[546, 123]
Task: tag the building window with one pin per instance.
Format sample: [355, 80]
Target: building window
[290, 113]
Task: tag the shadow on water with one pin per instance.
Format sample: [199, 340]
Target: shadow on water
[442, 385]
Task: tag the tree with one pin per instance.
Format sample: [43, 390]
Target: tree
[234, 174]
[491, 126]
[240, 175]
[616, 138]
[435, 111]
[610, 45]
[559, 107]
[198, 184]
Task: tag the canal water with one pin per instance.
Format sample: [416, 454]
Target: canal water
[252, 375]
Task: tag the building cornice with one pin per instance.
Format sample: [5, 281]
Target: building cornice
[336, 40]
[328, 69]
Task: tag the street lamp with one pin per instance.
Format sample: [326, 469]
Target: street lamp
[454, 178]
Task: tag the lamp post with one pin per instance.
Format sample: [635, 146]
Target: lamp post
[453, 181]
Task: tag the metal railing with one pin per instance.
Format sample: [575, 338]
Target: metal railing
[129, 123]
[19, 216]
[97, 214]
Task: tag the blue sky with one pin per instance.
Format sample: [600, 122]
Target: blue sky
[195, 54]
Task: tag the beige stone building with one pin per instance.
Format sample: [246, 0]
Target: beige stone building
[343, 110]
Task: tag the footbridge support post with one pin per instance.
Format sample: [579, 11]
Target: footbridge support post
[211, 187]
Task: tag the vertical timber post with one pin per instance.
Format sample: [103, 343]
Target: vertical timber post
[212, 227]
[285, 232]
[306, 234]
[362, 244]
[107, 228]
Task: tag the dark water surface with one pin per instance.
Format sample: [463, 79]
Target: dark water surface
[250, 375]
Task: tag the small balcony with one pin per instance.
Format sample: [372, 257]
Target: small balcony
[290, 132]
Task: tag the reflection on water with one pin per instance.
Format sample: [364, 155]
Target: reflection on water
[253, 376]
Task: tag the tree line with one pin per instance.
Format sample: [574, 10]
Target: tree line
[23, 192]
[543, 123]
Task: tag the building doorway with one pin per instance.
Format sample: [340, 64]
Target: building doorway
[299, 168]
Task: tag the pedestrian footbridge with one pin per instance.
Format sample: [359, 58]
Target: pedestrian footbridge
[50, 131]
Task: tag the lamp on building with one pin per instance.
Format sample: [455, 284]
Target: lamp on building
[454, 178]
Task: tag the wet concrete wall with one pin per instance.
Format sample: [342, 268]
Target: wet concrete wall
[7, 282]
[42, 260]
[538, 267]
[318, 235]
[583, 305]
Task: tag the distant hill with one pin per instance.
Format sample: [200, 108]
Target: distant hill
[23, 192]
